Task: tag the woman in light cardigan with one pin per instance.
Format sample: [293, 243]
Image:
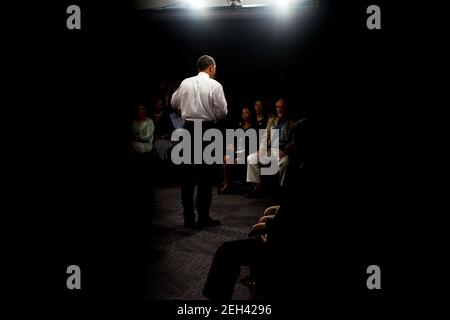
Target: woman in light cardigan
[143, 129]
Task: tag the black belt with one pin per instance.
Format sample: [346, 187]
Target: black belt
[188, 124]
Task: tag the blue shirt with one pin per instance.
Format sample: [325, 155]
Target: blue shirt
[283, 134]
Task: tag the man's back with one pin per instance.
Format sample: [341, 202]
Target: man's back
[200, 98]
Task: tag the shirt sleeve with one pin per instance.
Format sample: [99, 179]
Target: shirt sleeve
[176, 98]
[219, 103]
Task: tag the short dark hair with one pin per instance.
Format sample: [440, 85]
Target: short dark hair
[284, 100]
[246, 106]
[204, 62]
[139, 104]
[136, 108]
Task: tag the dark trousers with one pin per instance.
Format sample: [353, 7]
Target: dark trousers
[201, 175]
[226, 266]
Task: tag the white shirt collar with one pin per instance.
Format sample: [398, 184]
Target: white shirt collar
[203, 74]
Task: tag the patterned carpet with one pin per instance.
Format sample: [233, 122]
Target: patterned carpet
[183, 256]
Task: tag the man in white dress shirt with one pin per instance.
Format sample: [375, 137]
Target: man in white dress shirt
[200, 98]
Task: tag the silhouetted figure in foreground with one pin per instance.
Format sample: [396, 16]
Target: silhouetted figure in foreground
[271, 251]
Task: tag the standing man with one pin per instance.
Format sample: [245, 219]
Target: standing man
[200, 98]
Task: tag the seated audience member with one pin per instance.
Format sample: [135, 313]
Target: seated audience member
[260, 116]
[267, 152]
[163, 131]
[142, 133]
[272, 253]
[141, 168]
[240, 150]
[177, 120]
[259, 229]
[269, 213]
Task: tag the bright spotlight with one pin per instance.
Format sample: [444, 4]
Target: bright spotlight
[282, 4]
[195, 4]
